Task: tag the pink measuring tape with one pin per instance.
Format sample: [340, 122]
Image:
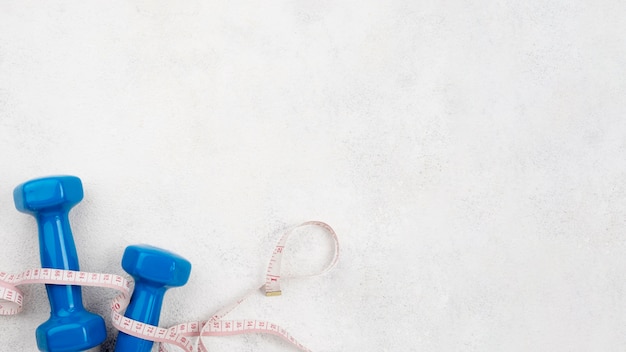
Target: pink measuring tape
[187, 336]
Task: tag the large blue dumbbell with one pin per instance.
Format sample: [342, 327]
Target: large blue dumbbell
[70, 327]
[154, 270]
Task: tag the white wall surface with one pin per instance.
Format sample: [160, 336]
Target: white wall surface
[470, 155]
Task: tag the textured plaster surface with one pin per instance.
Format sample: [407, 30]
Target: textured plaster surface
[470, 155]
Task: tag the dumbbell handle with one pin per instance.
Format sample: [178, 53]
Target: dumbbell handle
[58, 251]
[145, 303]
[145, 306]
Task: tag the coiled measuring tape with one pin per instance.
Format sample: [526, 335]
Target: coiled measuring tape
[187, 336]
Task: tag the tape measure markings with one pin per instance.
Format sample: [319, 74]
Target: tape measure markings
[273, 277]
[12, 298]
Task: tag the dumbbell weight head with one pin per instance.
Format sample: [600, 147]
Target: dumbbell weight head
[50, 193]
[159, 266]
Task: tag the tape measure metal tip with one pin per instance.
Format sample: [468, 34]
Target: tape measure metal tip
[273, 293]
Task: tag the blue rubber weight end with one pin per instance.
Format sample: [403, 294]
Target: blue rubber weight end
[156, 265]
[79, 332]
[57, 192]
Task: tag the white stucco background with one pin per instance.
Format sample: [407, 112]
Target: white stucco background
[470, 155]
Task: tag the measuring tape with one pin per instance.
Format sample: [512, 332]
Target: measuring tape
[187, 336]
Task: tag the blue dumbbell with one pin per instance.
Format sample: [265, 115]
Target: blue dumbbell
[70, 327]
[154, 270]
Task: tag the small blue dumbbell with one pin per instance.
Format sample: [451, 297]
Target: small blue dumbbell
[154, 270]
[49, 200]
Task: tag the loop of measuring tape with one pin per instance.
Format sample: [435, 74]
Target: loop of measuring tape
[180, 335]
[272, 277]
